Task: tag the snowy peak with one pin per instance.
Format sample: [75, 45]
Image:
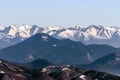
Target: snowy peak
[98, 32]
[89, 35]
[24, 31]
[2, 28]
[55, 28]
[12, 30]
[35, 29]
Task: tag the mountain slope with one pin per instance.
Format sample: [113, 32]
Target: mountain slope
[47, 47]
[98, 51]
[109, 63]
[57, 51]
[88, 35]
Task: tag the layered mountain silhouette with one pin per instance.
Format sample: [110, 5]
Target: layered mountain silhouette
[92, 34]
[109, 63]
[57, 51]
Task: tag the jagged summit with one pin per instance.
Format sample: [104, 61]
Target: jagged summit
[92, 34]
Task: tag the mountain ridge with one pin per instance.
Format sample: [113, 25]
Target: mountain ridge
[61, 51]
[88, 35]
[109, 63]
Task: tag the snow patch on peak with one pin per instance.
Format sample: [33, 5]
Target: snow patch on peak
[96, 27]
[77, 28]
[12, 31]
[52, 30]
[55, 28]
[68, 34]
[2, 28]
[35, 29]
[25, 28]
[24, 31]
[13, 26]
[44, 38]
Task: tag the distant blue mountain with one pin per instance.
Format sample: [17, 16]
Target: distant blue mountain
[56, 51]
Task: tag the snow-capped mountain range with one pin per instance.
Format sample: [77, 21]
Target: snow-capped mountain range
[88, 35]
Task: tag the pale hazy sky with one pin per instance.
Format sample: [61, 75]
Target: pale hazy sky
[60, 12]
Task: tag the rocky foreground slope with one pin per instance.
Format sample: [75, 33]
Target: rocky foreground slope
[10, 71]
